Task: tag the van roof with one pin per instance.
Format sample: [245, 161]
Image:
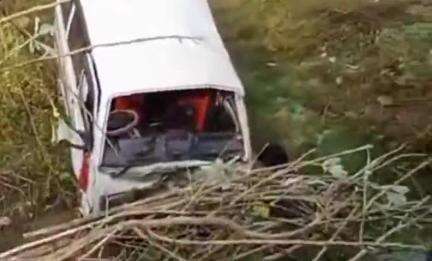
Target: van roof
[184, 50]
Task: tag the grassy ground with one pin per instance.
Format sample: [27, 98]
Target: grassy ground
[316, 70]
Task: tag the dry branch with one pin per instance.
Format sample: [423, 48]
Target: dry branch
[30, 11]
[272, 213]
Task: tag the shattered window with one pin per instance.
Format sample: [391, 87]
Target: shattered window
[151, 128]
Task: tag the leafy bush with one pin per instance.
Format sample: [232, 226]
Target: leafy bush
[33, 172]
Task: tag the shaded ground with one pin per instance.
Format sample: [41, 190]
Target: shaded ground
[12, 235]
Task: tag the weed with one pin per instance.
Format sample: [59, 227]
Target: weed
[33, 172]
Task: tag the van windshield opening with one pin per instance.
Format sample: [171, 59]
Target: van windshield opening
[192, 125]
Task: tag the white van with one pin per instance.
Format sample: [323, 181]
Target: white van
[148, 87]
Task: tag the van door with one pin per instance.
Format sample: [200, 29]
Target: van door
[77, 117]
[76, 82]
[65, 70]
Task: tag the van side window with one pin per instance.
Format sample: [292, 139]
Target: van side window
[86, 94]
[86, 89]
[76, 37]
[76, 34]
[77, 40]
[66, 9]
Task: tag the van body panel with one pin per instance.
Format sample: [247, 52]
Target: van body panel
[135, 47]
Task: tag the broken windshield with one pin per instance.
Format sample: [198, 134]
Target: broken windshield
[196, 125]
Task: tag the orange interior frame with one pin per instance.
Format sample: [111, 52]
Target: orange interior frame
[200, 100]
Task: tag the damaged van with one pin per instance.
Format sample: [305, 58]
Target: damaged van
[148, 88]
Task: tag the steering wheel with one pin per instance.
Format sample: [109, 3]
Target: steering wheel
[121, 122]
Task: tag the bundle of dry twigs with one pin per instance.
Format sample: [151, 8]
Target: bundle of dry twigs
[235, 214]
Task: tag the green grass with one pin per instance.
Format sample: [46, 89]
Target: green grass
[316, 71]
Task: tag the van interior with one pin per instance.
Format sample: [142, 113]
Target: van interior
[189, 125]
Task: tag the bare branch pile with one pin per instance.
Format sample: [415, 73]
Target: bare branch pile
[226, 212]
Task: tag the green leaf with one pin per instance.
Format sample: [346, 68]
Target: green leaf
[338, 171]
[46, 29]
[335, 168]
[397, 189]
[330, 163]
[396, 199]
[261, 210]
[401, 189]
